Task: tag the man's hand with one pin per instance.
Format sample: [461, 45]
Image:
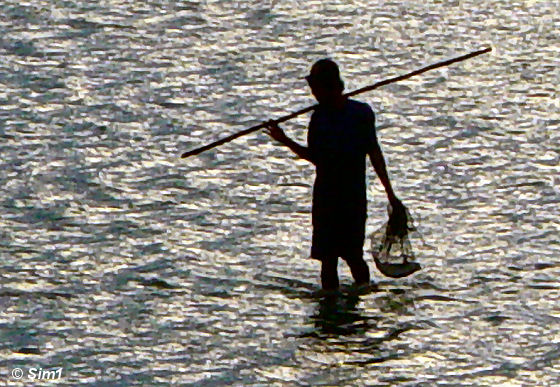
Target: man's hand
[398, 221]
[274, 131]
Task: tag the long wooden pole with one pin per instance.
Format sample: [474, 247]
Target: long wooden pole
[352, 93]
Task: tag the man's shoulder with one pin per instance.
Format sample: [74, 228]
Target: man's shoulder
[361, 110]
[360, 106]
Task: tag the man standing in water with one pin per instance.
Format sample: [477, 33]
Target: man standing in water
[341, 133]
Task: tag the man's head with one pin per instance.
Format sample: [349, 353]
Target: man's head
[324, 80]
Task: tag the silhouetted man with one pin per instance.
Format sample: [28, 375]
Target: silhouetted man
[341, 133]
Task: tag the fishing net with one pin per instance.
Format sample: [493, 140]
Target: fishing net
[391, 248]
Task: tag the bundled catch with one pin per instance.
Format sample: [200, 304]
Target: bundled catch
[391, 248]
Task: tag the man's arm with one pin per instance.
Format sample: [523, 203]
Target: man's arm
[376, 157]
[398, 221]
[278, 134]
[378, 162]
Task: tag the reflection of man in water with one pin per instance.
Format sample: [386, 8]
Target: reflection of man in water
[341, 134]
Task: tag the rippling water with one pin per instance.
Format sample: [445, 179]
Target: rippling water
[126, 265]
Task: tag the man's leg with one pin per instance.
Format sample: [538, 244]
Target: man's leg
[329, 273]
[359, 269]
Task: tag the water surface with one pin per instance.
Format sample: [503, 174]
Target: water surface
[124, 264]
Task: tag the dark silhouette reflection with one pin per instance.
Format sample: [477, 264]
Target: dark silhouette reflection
[337, 315]
[340, 137]
[340, 326]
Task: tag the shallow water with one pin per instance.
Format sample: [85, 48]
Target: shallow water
[124, 264]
